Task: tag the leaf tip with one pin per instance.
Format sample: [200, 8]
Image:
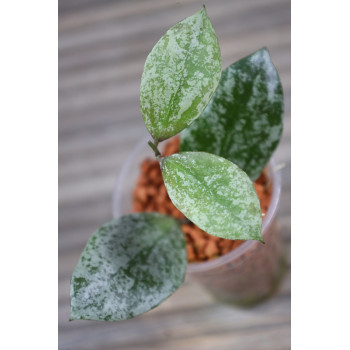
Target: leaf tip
[203, 11]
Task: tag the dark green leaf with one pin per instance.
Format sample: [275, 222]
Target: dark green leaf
[243, 121]
[128, 267]
[214, 194]
[180, 75]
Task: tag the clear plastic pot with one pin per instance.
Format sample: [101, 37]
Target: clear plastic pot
[248, 274]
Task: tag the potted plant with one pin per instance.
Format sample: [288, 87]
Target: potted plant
[231, 123]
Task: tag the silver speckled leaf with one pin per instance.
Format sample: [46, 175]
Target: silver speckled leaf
[180, 75]
[128, 267]
[213, 193]
[243, 121]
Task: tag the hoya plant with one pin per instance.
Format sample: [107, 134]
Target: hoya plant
[231, 122]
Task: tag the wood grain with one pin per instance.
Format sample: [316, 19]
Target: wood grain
[102, 49]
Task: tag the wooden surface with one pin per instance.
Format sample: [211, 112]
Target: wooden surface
[102, 49]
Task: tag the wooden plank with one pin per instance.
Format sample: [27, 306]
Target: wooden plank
[107, 10]
[159, 328]
[114, 91]
[116, 72]
[242, 14]
[111, 53]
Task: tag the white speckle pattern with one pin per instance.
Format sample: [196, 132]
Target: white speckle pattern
[128, 267]
[180, 75]
[244, 120]
[213, 193]
[261, 60]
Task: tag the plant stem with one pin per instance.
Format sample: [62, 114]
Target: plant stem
[154, 147]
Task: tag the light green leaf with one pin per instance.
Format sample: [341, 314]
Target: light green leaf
[180, 75]
[213, 193]
[243, 121]
[128, 267]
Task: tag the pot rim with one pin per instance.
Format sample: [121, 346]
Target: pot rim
[273, 172]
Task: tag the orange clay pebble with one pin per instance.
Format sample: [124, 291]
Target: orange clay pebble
[151, 191]
[161, 209]
[141, 194]
[211, 249]
[158, 181]
[154, 174]
[191, 256]
[198, 242]
[142, 181]
[259, 189]
[236, 243]
[196, 233]
[150, 207]
[186, 228]
[177, 214]
[172, 147]
[146, 165]
[138, 207]
[226, 245]
[168, 207]
[188, 239]
[162, 195]
[261, 180]
[213, 238]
